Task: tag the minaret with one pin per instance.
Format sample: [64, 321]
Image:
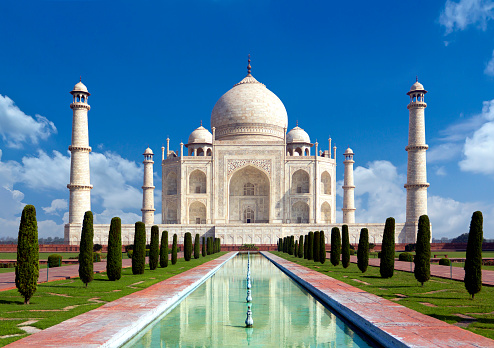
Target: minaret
[148, 189]
[348, 189]
[80, 187]
[417, 172]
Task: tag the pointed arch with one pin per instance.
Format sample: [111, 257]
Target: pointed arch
[300, 182]
[197, 213]
[197, 182]
[325, 183]
[326, 212]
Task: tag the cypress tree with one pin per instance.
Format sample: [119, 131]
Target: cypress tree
[285, 245]
[114, 257]
[301, 247]
[363, 250]
[473, 261]
[187, 246]
[204, 247]
[316, 252]
[86, 249]
[295, 249]
[291, 245]
[306, 243]
[335, 246]
[174, 249]
[139, 254]
[322, 256]
[345, 247]
[422, 259]
[219, 244]
[197, 247]
[27, 268]
[164, 250]
[310, 246]
[209, 247]
[387, 265]
[154, 251]
[278, 245]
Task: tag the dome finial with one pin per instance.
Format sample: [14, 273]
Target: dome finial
[201, 123]
[248, 66]
[80, 78]
[296, 124]
[416, 78]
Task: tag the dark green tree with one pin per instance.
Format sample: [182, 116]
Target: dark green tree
[363, 250]
[114, 256]
[204, 247]
[322, 255]
[295, 249]
[306, 245]
[209, 247]
[345, 246]
[301, 247]
[335, 246]
[473, 260]
[279, 245]
[27, 268]
[291, 245]
[316, 251]
[219, 244]
[422, 259]
[187, 246]
[310, 246]
[139, 254]
[174, 249]
[154, 250]
[197, 247]
[164, 250]
[86, 249]
[284, 245]
[387, 265]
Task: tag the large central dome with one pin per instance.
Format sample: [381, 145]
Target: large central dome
[249, 111]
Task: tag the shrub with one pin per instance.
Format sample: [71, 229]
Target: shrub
[473, 260]
[378, 254]
[97, 248]
[164, 250]
[335, 246]
[310, 246]
[352, 252]
[129, 247]
[322, 248]
[54, 260]
[27, 269]
[130, 253]
[174, 249]
[197, 246]
[306, 245]
[423, 251]
[86, 249]
[154, 248]
[345, 246]
[387, 265]
[248, 247]
[96, 257]
[301, 247]
[410, 247]
[352, 247]
[445, 262]
[371, 246]
[139, 255]
[407, 257]
[187, 246]
[316, 252]
[114, 257]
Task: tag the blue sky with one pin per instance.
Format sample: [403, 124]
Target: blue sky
[156, 69]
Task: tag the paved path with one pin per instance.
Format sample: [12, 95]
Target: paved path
[7, 280]
[391, 324]
[114, 323]
[456, 273]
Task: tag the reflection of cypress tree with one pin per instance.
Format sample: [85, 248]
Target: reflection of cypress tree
[164, 250]
[197, 247]
[422, 258]
[387, 265]
[473, 261]
[335, 246]
[322, 256]
[363, 250]
[316, 251]
[345, 245]
[310, 246]
[114, 256]
[154, 250]
[306, 245]
[301, 247]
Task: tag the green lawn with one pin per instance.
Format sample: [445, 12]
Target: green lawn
[440, 298]
[57, 301]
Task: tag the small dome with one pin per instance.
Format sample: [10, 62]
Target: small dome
[297, 135]
[417, 86]
[200, 135]
[148, 152]
[349, 152]
[80, 87]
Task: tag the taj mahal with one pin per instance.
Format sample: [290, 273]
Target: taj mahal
[248, 180]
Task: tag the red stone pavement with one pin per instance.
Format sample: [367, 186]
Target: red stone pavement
[114, 323]
[389, 323]
[7, 280]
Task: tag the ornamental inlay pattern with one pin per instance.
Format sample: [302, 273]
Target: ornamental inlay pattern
[263, 164]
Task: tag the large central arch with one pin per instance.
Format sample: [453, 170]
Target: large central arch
[248, 200]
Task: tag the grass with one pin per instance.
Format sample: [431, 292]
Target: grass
[57, 301]
[439, 298]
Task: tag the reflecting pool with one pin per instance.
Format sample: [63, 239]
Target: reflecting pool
[284, 314]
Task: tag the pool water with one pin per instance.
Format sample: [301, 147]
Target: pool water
[284, 314]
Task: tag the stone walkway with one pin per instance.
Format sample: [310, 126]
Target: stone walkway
[389, 323]
[458, 273]
[116, 322]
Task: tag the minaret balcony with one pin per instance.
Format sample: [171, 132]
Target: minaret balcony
[79, 105]
[416, 105]
[417, 147]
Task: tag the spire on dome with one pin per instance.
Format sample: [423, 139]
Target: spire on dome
[416, 78]
[80, 78]
[248, 66]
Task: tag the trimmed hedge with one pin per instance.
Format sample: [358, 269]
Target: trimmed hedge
[322, 248]
[445, 262]
[204, 246]
[187, 246]
[306, 245]
[335, 246]
[174, 249]
[197, 247]
[164, 250]
[387, 265]
[86, 249]
[316, 252]
[473, 260]
[301, 247]
[422, 261]
[345, 247]
[406, 257]
[139, 253]
[114, 256]
[310, 246]
[54, 260]
[154, 248]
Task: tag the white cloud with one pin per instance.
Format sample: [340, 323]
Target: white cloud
[459, 15]
[443, 152]
[56, 206]
[107, 214]
[16, 127]
[441, 171]
[489, 69]
[479, 151]
[44, 172]
[49, 228]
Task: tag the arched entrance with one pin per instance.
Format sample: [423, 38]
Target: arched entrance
[248, 200]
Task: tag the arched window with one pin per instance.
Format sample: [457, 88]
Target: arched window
[300, 182]
[249, 189]
[200, 152]
[298, 152]
[248, 215]
[326, 183]
[208, 152]
[307, 152]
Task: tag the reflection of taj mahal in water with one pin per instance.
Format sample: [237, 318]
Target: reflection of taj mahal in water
[248, 180]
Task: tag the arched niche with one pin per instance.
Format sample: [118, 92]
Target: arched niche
[300, 213]
[326, 212]
[171, 213]
[197, 213]
[197, 182]
[300, 182]
[171, 184]
[326, 183]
